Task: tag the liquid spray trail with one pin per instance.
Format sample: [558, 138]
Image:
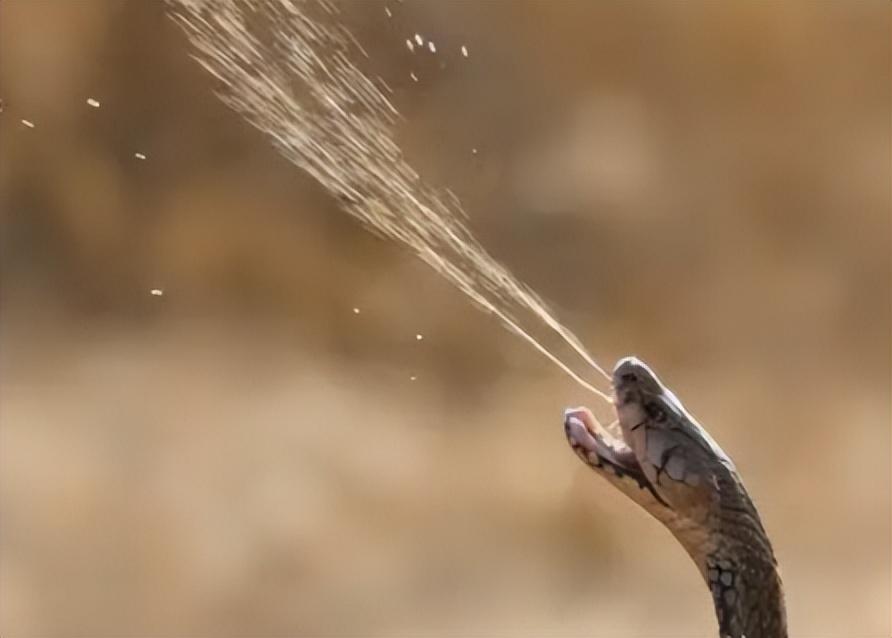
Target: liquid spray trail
[285, 66]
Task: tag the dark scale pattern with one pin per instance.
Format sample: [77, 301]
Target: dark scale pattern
[742, 573]
[721, 576]
[742, 590]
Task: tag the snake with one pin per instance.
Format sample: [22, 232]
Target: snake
[668, 464]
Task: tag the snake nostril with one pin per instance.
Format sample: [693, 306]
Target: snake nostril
[629, 377]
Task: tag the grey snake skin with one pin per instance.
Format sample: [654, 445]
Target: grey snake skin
[668, 464]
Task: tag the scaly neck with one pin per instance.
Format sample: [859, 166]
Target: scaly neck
[747, 594]
[740, 568]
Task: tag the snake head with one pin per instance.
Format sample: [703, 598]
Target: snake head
[667, 441]
[663, 458]
[639, 395]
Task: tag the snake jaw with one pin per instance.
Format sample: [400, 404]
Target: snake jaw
[590, 440]
[608, 456]
[587, 430]
[635, 460]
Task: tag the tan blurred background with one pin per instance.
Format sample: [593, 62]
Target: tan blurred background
[705, 185]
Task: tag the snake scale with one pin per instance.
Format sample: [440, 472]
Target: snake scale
[668, 464]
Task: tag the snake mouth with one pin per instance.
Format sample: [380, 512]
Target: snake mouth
[587, 436]
[582, 421]
[595, 444]
[605, 453]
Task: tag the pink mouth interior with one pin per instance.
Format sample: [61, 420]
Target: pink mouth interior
[593, 428]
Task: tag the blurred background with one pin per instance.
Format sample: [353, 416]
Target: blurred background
[705, 185]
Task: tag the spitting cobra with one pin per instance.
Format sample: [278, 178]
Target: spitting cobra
[668, 464]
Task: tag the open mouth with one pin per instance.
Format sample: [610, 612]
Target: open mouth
[606, 448]
[593, 442]
[585, 432]
[608, 454]
[585, 428]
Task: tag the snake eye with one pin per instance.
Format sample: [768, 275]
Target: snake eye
[655, 412]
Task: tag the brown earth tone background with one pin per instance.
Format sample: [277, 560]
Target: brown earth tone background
[705, 185]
